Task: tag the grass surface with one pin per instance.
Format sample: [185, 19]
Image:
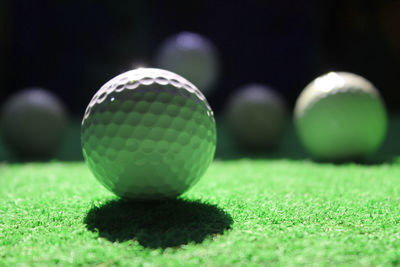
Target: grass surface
[273, 209]
[243, 212]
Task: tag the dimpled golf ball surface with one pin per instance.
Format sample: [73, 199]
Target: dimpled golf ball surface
[148, 134]
[340, 116]
[33, 123]
[257, 116]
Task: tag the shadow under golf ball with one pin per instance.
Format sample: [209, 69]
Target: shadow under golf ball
[155, 224]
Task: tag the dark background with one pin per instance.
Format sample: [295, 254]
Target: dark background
[73, 47]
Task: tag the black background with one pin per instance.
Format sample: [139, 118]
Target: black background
[73, 47]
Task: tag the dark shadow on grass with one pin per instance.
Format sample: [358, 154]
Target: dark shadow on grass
[163, 224]
[370, 161]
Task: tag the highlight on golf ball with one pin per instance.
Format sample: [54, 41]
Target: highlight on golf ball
[340, 116]
[257, 116]
[191, 55]
[33, 123]
[148, 134]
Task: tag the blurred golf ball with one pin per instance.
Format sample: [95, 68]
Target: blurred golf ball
[148, 134]
[257, 116]
[340, 116]
[33, 122]
[191, 55]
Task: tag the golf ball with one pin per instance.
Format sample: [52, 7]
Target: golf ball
[340, 116]
[257, 116]
[192, 56]
[33, 123]
[148, 134]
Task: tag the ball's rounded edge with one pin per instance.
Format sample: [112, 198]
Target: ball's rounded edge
[184, 42]
[333, 83]
[133, 78]
[150, 76]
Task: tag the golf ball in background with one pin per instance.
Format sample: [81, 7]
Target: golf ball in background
[33, 123]
[192, 56]
[257, 116]
[340, 116]
[148, 134]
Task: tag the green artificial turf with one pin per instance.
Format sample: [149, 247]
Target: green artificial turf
[243, 212]
[251, 208]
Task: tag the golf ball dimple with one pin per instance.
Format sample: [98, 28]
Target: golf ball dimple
[191, 55]
[148, 134]
[33, 123]
[257, 116]
[340, 116]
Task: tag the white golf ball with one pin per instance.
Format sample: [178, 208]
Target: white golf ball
[340, 116]
[191, 55]
[148, 134]
[257, 116]
[33, 123]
